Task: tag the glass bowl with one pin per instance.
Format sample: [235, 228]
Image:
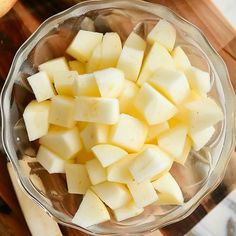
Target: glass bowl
[203, 171]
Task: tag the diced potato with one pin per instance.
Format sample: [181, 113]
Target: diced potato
[173, 140]
[129, 133]
[64, 82]
[163, 33]
[155, 130]
[201, 137]
[130, 62]
[143, 193]
[111, 49]
[77, 178]
[50, 161]
[107, 154]
[94, 134]
[181, 59]
[41, 86]
[64, 142]
[91, 211]
[172, 83]
[85, 85]
[36, 119]
[135, 41]
[110, 82]
[114, 195]
[97, 173]
[149, 163]
[77, 66]
[83, 156]
[157, 57]
[169, 191]
[127, 95]
[98, 110]
[94, 61]
[119, 171]
[82, 46]
[199, 80]
[127, 211]
[51, 66]
[150, 102]
[184, 155]
[62, 111]
[203, 113]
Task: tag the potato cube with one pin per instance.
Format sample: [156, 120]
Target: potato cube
[83, 45]
[85, 85]
[98, 110]
[97, 173]
[143, 193]
[91, 211]
[163, 33]
[62, 111]
[153, 105]
[51, 66]
[36, 119]
[181, 59]
[77, 66]
[41, 86]
[127, 211]
[94, 61]
[149, 163]
[83, 156]
[155, 130]
[129, 133]
[107, 154]
[110, 82]
[135, 41]
[50, 161]
[114, 195]
[184, 155]
[94, 134]
[77, 178]
[64, 142]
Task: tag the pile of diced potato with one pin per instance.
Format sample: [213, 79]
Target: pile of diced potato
[116, 117]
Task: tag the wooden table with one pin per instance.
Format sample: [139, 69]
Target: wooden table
[23, 20]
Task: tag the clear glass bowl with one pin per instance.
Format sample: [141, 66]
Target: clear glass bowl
[203, 171]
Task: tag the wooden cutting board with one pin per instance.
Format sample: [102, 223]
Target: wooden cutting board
[23, 20]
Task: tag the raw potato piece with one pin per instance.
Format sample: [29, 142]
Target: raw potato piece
[169, 191]
[83, 45]
[127, 211]
[77, 66]
[98, 110]
[143, 193]
[129, 133]
[94, 134]
[149, 163]
[181, 59]
[64, 82]
[62, 111]
[183, 157]
[97, 174]
[94, 61]
[153, 105]
[199, 80]
[172, 83]
[107, 154]
[173, 140]
[91, 211]
[54, 65]
[50, 161]
[201, 137]
[155, 130]
[111, 49]
[163, 33]
[114, 195]
[110, 82]
[64, 142]
[83, 156]
[41, 86]
[130, 62]
[85, 85]
[157, 57]
[77, 178]
[135, 41]
[36, 119]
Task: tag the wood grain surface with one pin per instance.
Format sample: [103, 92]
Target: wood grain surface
[23, 20]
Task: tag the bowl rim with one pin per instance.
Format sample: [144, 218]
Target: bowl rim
[83, 6]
